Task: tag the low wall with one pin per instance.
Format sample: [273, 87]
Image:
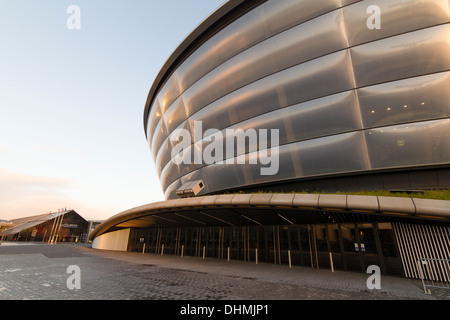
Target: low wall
[115, 240]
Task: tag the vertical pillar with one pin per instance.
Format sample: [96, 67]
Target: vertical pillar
[379, 249]
[331, 262]
[289, 256]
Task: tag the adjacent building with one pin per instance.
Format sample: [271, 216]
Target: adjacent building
[61, 226]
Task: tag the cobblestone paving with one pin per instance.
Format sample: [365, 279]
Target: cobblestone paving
[39, 272]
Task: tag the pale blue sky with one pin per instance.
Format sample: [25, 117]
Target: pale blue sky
[72, 101]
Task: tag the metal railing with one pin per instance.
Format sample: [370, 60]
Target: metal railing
[434, 273]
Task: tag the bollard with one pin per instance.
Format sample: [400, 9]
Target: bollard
[162, 249]
[289, 255]
[256, 254]
[204, 252]
[182, 250]
[331, 262]
[143, 249]
[228, 253]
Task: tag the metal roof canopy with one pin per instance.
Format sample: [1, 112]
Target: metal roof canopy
[29, 222]
[277, 209]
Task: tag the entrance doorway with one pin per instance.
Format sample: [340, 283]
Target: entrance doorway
[347, 246]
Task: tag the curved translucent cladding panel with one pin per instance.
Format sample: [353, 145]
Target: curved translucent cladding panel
[313, 79]
[159, 136]
[192, 176]
[169, 174]
[238, 175]
[169, 92]
[192, 159]
[408, 55]
[325, 116]
[260, 23]
[283, 14]
[419, 143]
[163, 156]
[334, 154]
[397, 16]
[154, 117]
[334, 114]
[175, 115]
[307, 41]
[223, 176]
[421, 98]
[347, 2]
[170, 192]
[175, 138]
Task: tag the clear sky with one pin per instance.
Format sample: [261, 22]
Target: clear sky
[72, 101]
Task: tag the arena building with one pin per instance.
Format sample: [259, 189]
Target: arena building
[291, 97]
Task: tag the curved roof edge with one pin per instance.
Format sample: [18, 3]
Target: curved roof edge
[201, 34]
[435, 210]
[29, 222]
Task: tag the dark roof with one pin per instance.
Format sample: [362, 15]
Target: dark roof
[29, 222]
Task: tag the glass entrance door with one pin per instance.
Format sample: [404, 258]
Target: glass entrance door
[368, 246]
[352, 246]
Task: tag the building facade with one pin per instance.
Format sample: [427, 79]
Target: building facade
[355, 108]
[336, 95]
[61, 226]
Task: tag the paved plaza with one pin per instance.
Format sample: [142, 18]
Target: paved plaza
[40, 272]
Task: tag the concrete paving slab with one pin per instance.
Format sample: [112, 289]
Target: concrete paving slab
[42, 274]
